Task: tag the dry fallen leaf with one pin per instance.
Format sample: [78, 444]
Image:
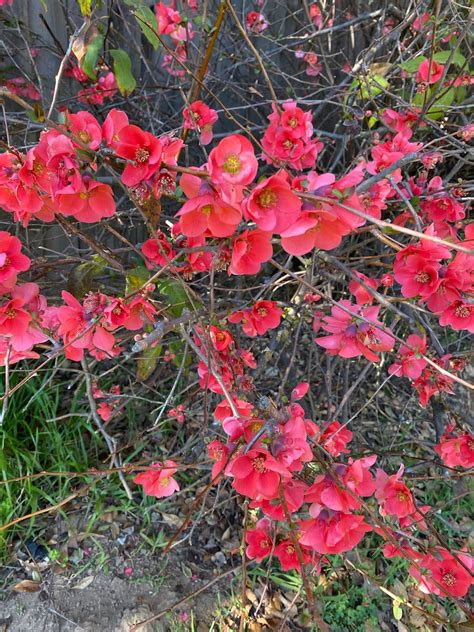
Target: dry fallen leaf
[83, 38]
[171, 520]
[84, 583]
[28, 586]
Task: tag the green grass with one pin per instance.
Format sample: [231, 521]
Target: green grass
[33, 440]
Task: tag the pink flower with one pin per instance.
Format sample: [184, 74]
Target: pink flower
[77, 327]
[456, 449]
[114, 122]
[288, 138]
[209, 214]
[410, 363]
[362, 295]
[158, 481]
[272, 205]
[257, 474]
[264, 315]
[143, 150]
[333, 532]
[314, 229]
[350, 337]
[86, 128]
[158, 251]
[233, 162]
[451, 578]
[259, 541]
[12, 262]
[94, 202]
[335, 438]
[200, 117]
[316, 16]
[256, 22]
[394, 496]
[249, 250]
[313, 68]
[459, 315]
[432, 68]
[299, 391]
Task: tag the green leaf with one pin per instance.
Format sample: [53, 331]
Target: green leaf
[136, 278]
[442, 57]
[372, 85]
[147, 361]
[147, 22]
[123, 71]
[177, 297]
[82, 278]
[412, 65]
[85, 7]
[90, 58]
[439, 107]
[397, 610]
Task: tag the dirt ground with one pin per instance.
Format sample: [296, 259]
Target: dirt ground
[76, 576]
[104, 602]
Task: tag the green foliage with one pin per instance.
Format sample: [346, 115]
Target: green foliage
[81, 279]
[177, 299]
[147, 22]
[351, 610]
[123, 71]
[89, 60]
[33, 439]
[147, 362]
[85, 7]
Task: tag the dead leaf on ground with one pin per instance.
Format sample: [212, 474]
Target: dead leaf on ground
[28, 586]
[84, 583]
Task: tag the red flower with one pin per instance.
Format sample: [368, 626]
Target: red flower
[259, 541]
[335, 438]
[221, 338]
[288, 557]
[299, 391]
[233, 161]
[460, 315]
[158, 481]
[86, 128]
[218, 452]
[272, 205]
[143, 150]
[429, 71]
[451, 578]
[456, 449]
[350, 337]
[264, 315]
[159, 251]
[200, 117]
[409, 363]
[362, 295]
[249, 250]
[313, 229]
[333, 532]
[114, 122]
[91, 204]
[257, 474]
[12, 262]
[208, 214]
[256, 22]
[394, 496]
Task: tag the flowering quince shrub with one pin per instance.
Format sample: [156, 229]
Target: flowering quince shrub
[376, 246]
